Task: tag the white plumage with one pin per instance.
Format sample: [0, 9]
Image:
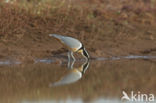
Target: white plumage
[72, 44]
[68, 41]
[74, 75]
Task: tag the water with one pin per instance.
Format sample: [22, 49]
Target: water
[52, 60]
[96, 82]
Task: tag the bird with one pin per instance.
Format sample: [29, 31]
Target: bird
[73, 45]
[74, 75]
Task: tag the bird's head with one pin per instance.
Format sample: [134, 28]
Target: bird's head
[84, 52]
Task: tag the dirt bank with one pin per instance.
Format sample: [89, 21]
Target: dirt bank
[105, 30]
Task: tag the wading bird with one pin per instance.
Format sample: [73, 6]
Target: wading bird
[72, 44]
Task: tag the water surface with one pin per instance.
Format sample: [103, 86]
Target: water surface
[101, 82]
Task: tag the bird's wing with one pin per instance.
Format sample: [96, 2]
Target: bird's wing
[72, 42]
[68, 41]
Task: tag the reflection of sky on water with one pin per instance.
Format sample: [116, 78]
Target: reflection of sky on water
[9, 62]
[52, 60]
[100, 100]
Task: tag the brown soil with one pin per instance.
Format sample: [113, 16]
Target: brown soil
[106, 30]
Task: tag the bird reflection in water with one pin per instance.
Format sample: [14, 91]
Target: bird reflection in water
[74, 75]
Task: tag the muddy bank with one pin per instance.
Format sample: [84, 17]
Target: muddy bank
[105, 32]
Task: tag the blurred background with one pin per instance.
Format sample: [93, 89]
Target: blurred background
[107, 28]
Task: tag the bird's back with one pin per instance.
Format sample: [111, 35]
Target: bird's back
[68, 41]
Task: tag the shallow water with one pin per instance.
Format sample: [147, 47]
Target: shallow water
[101, 82]
[53, 60]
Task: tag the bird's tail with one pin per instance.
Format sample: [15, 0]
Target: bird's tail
[52, 34]
[55, 35]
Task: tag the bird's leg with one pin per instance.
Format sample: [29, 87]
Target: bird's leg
[69, 56]
[72, 56]
[71, 67]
